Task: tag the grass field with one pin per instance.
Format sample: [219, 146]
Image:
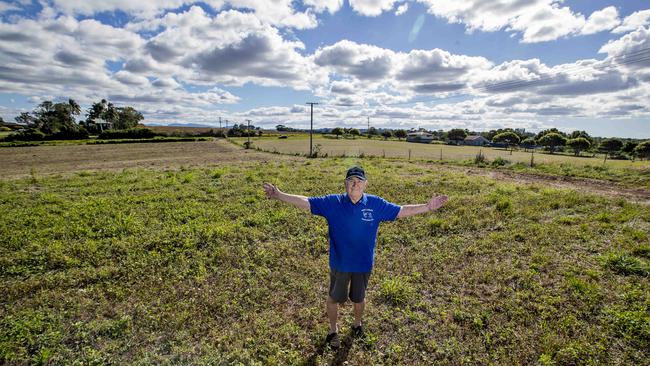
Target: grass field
[631, 173]
[188, 263]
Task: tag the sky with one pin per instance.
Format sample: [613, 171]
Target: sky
[433, 64]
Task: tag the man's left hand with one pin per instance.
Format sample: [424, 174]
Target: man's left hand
[436, 202]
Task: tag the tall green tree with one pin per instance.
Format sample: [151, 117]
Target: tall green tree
[387, 134]
[25, 118]
[507, 137]
[127, 117]
[354, 132]
[456, 134]
[643, 150]
[56, 117]
[629, 147]
[578, 144]
[552, 140]
[550, 130]
[372, 132]
[338, 131]
[400, 134]
[610, 146]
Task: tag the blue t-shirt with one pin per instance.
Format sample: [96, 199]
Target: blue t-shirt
[353, 228]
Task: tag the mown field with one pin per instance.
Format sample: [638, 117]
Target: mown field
[190, 264]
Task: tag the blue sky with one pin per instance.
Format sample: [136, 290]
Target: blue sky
[469, 64]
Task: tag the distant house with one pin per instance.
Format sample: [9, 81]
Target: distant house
[476, 140]
[103, 124]
[419, 136]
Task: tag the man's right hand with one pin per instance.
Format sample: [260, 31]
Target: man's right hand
[271, 190]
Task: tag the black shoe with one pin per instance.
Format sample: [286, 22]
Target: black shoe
[333, 340]
[358, 331]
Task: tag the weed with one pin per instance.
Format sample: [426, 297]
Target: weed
[626, 265]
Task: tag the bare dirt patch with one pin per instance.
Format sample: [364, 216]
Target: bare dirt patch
[16, 162]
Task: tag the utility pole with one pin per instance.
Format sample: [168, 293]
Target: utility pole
[368, 131]
[311, 128]
[248, 132]
[219, 122]
[226, 123]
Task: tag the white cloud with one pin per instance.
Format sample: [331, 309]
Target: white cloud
[601, 20]
[536, 20]
[402, 9]
[4, 7]
[332, 6]
[371, 8]
[634, 21]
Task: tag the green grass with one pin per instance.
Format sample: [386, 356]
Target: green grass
[195, 266]
[631, 173]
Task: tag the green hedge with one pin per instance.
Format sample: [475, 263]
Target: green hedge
[132, 133]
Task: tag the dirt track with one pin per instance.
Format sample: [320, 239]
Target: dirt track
[22, 161]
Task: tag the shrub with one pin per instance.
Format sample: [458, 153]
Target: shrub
[30, 134]
[396, 291]
[132, 133]
[78, 134]
[480, 158]
[499, 161]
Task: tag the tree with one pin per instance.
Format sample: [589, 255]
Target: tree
[338, 131]
[546, 132]
[552, 140]
[127, 117]
[643, 150]
[611, 145]
[354, 132]
[528, 143]
[387, 134]
[372, 132]
[508, 137]
[578, 144]
[576, 134]
[629, 147]
[456, 134]
[52, 118]
[400, 134]
[25, 118]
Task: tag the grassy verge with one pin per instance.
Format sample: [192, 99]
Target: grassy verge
[196, 267]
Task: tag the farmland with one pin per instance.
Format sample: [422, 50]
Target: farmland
[632, 173]
[169, 254]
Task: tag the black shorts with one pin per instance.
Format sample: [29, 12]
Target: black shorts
[352, 284]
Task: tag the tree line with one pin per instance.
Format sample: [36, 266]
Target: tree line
[552, 140]
[51, 120]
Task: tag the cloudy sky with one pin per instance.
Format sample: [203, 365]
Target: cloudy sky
[436, 64]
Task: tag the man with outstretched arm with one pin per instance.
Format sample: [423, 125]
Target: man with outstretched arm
[353, 220]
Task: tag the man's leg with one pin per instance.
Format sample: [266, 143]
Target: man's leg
[358, 312]
[332, 313]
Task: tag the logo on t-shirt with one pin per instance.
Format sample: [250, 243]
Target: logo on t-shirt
[366, 214]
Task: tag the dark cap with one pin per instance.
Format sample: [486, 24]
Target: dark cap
[356, 172]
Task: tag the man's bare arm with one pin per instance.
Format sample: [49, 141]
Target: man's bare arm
[293, 199]
[434, 203]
